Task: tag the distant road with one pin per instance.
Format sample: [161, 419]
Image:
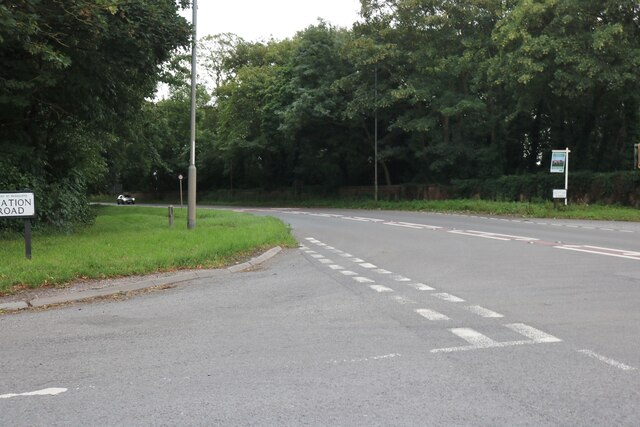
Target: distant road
[379, 318]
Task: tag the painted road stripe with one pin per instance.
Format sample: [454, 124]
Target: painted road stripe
[483, 312]
[346, 255]
[349, 273]
[578, 249]
[532, 333]
[367, 265]
[421, 287]
[310, 252]
[356, 260]
[380, 288]
[336, 267]
[382, 271]
[608, 361]
[447, 297]
[404, 300]
[354, 219]
[396, 224]
[473, 337]
[431, 315]
[361, 279]
[317, 256]
[44, 392]
[400, 278]
[325, 261]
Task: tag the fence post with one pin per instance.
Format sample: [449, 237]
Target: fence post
[170, 215]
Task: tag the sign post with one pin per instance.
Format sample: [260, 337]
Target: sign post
[19, 205]
[560, 164]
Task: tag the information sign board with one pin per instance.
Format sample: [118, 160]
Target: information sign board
[558, 161]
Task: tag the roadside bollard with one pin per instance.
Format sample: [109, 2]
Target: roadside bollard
[170, 215]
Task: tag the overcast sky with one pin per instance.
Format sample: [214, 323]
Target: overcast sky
[255, 20]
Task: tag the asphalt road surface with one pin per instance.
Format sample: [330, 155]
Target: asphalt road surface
[379, 318]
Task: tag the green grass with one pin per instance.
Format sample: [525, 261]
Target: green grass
[485, 207]
[128, 240]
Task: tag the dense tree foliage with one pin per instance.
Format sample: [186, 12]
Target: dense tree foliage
[73, 77]
[461, 89]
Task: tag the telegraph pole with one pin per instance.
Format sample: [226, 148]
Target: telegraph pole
[191, 203]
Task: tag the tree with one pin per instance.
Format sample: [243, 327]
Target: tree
[71, 72]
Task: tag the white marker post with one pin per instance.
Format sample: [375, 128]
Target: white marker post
[180, 177]
[560, 164]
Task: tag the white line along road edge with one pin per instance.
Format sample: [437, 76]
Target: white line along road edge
[44, 392]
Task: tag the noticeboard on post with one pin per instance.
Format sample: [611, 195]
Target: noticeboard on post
[17, 204]
[558, 161]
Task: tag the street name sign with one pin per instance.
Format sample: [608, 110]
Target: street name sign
[17, 205]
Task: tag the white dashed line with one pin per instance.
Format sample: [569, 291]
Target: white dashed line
[325, 261]
[349, 273]
[356, 260]
[44, 392]
[317, 255]
[382, 271]
[421, 287]
[532, 333]
[431, 315]
[361, 279]
[404, 300]
[346, 255]
[380, 288]
[483, 312]
[447, 297]
[608, 361]
[336, 267]
[367, 265]
[401, 279]
[474, 338]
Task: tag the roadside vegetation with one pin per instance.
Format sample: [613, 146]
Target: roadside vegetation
[467, 206]
[136, 240]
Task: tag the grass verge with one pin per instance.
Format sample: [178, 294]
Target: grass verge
[467, 206]
[128, 240]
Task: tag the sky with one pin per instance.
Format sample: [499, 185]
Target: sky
[256, 20]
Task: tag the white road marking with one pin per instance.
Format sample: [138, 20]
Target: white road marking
[367, 265]
[479, 341]
[311, 239]
[397, 224]
[346, 255]
[325, 261]
[532, 333]
[317, 256]
[350, 218]
[421, 287]
[336, 267]
[380, 288]
[432, 227]
[349, 273]
[483, 312]
[369, 219]
[494, 236]
[356, 260]
[44, 392]
[366, 359]
[382, 271]
[400, 278]
[310, 252]
[431, 315]
[608, 361]
[618, 253]
[329, 247]
[404, 300]
[447, 297]
[474, 338]
[361, 279]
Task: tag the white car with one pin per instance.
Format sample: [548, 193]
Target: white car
[125, 199]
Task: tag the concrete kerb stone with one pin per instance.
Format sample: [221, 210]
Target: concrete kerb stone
[144, 284]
